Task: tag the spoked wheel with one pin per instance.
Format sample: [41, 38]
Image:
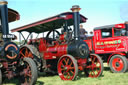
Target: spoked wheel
[31, 52]
[118, 64]
[95, 66]
[0, 77]
[67, 67]
[29, 74]
[25, 52]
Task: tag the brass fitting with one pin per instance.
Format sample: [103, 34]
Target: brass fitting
[126, 22]
[3, 2]
[75, 8]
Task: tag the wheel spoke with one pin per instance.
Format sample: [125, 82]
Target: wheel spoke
[28, 68]
[71, 68]
[62, 64]
[93, 60]
[71, 63]
[29, 75]
[90, 66]
[93, 73]
[72, 72]
[26, 52]
[67, 61]
[69, 75]
[22, 54]
[30, 54]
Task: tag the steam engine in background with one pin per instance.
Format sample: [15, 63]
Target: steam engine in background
[11, 64]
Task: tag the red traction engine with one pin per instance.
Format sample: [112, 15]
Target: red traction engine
[11, 64]
[66, 52]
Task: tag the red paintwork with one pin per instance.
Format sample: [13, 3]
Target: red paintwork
[120, 26]
[81, 63]
[55, 51]
[13, 15]
[89, 42]
[51, 51]
[69, 17]
[63, 16]
[117, 64]
[61, 37]
[112, 45]
[115, 54]
[42, 46]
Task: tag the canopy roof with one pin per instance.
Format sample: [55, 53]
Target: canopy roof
[121, 25]
[49, 24]
[13, 15]
[104, 27]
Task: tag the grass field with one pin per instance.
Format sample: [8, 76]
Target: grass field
[107, 78]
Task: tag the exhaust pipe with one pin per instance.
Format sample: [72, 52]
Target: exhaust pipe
[76, 16]
[126, 26]
[4, 18]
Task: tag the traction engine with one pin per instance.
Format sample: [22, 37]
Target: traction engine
[67, 53]
[11, 65]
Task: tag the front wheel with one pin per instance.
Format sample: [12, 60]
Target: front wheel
[67, 67]
[94, 66]
[29, 72]
[118, 64]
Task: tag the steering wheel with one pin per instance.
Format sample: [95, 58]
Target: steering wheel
[55, 33]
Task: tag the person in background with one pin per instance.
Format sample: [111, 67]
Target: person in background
[83, 33]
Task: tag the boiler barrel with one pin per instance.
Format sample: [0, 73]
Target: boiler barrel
[78, 49]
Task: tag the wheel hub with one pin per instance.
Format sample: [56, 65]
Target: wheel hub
[66, 68]
[117, 64]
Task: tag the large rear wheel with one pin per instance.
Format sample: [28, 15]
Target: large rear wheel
[29, 72]
[31, 52]
[118, 64]
[94, 66]
[67, 67]
[25, 52]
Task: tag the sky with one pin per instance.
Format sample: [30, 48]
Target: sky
[98, 12]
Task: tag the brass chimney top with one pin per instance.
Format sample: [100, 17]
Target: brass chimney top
[3, 2]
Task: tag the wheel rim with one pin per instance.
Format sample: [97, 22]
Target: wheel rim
[25, 52]
[27, 74]
[117, 64]
[66, 68]
[94, 67]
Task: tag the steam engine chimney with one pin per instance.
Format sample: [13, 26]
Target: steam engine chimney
[75, 9]
[126, 25]
[4, 18]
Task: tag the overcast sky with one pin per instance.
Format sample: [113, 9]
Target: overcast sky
[98, 12]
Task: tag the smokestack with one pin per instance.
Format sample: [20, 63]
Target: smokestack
[126, 26]
[4, 17]
[75, 9]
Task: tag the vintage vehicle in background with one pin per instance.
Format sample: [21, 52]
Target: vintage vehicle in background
[110, 43]
[11, 64]
[63, 52]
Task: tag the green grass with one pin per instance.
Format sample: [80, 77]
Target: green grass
[107, 78]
